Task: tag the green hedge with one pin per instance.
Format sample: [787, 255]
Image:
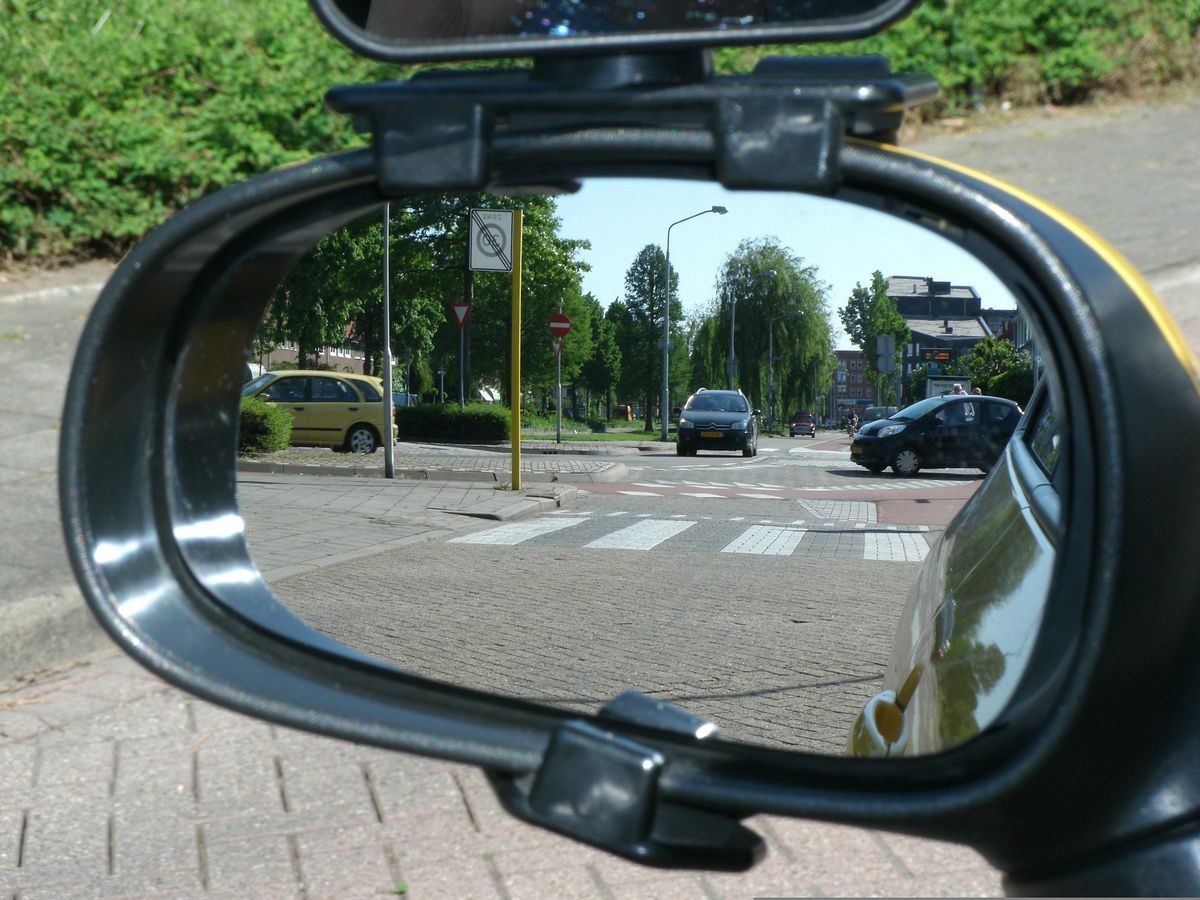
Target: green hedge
[1031, 51]
[263, 428]
[118, 114]
[476, 422]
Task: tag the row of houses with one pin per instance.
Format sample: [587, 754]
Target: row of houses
[946, 321]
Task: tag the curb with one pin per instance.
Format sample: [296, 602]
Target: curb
[47, 630]
[613, 472]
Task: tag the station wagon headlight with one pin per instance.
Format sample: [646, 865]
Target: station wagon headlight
[889, 430]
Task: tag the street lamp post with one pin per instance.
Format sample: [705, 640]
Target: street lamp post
[664, 404]
[771, 363]
[730, 365]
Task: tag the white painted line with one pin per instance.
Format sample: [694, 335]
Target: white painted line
[763, 541]
[703, 495]
[642, 536]
[621, 513]
[639, 493]
[517, 532]
[760, 496]
[738, 519]
[652, 484]
[895, 547]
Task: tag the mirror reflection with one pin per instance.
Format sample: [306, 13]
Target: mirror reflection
[416, 20]
[775, 553]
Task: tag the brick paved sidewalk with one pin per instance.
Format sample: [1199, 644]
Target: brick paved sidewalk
[113, 784]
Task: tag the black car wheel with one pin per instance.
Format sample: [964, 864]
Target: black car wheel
[907, 462]
[680, 450]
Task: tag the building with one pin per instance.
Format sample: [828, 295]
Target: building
[349, 357]
[946, 321]
[850, 385]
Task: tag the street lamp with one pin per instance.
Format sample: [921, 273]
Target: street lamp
[729, 363]
[666, 340]
[771, 363]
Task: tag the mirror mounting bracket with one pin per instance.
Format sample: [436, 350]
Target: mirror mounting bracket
[780, 127]
[602, 788]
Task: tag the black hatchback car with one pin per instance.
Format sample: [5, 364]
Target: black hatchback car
[717, 420]
[954, 431]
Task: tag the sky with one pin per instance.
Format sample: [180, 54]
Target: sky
[846, 243]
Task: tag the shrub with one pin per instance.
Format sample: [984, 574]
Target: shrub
[263, 428]
[1014, 384]
[598, 426]
[476, 422]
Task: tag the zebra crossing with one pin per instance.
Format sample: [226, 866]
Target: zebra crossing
[722, 490]
[830, 529]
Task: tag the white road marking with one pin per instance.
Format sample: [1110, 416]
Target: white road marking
[895, 547]
[763, 541]
[642, 536]
[761, 496]
[703, 495]
[640, 493]
[517, 532]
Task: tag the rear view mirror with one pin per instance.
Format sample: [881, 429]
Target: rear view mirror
[165, 564]
[412, 30]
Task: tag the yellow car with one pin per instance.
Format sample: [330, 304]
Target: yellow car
[329, 409]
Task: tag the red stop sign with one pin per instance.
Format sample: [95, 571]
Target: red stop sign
[559, 324]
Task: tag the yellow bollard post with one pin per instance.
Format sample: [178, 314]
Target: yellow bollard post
[515, 398]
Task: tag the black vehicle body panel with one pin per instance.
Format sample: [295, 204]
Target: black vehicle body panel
[967, 432]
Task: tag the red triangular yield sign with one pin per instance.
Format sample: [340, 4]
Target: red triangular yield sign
[461, 311]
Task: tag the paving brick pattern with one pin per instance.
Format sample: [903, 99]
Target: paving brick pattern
[113, 784]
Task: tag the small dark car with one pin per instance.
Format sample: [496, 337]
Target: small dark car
[804, 423]
[717, 420]
[938, 433]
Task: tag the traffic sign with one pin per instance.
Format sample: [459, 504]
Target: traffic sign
[461, 312]
[491, 240]
[559, 324]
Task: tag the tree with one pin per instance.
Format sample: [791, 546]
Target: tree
[868, 314]
[602, 370]
[997, 367]
[775, 299]
[639, 326]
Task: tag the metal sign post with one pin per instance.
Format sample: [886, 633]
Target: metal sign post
[462, 312]
[559, 326]
[389, 402]
[558, 391]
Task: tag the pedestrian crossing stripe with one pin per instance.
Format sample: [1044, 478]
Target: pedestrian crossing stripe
[518, 532]
[762, 539]
[645, 535]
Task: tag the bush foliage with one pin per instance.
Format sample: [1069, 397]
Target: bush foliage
[475, 422]
[1039, 51]
[264, 428]
[119, 114]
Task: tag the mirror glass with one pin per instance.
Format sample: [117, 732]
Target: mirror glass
[422, 22]
[749, 569]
